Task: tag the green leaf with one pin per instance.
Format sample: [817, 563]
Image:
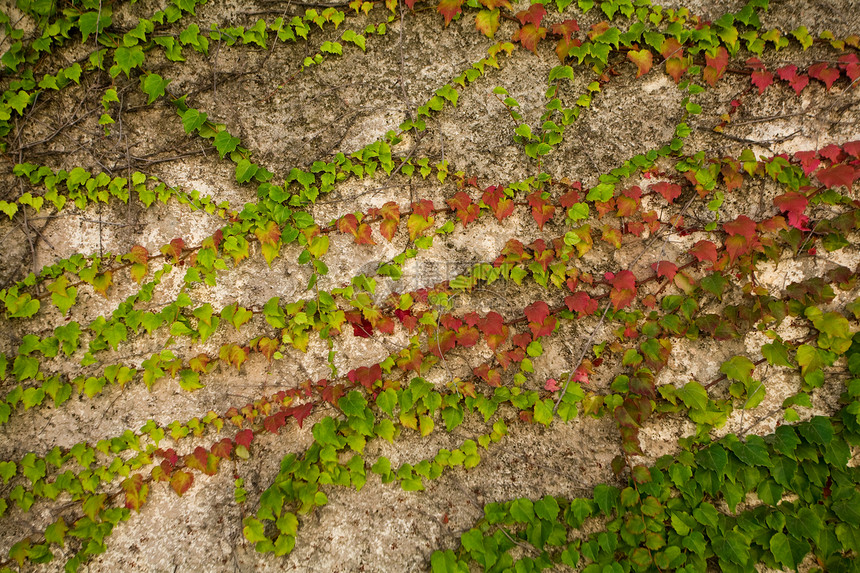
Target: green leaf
[225, 143]
[353, 404]
[254, 530]
[776, 354]
[193, 119]
[781, 550]
[738, 368]
[153, 85]
[127, 59]
[818, 430]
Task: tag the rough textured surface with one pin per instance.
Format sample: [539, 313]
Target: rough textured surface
[290, 118]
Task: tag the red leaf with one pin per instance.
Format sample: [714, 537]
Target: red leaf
[303, 411]
[565, 29]
[523, 339]
[837, 175]
[716, 66]
[570, 198]
[138, 255]
[761, 79]
[223, 448]
[467, 336]
[537, 311]
[502, 206]
[488, 375]
[423, 208]
[581, 302]
[363, 236]
[743, 226]
[794, 204]
[449, 9]
[533, 15]
[705, 251]
[852, 148]
[787, 73]
[808, 161]
[181, 481]
[665, 269]
[493, 4]
[736, 245]
[643, 60]
[826, 74]
[174, 249]
[627, 207]
[348, 224]
[542, 210]
[831, 152]
[529, 35]
[669, 191]
[466, 210]
[623, 289]
[850, 64]
[244, 438]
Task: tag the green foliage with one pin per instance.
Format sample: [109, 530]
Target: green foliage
[733, 503]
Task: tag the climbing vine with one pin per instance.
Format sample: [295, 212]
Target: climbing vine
[614, 273]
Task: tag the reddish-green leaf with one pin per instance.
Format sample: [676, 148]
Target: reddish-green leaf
[181, 481]
[565, 29]
[529, 36]
[716, 66]
[643, 60]
[174, 249]
[449, 9]
[135, 492]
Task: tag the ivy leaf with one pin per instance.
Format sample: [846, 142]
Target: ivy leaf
[181, 481]
[153, 85]
[225, 143]
[716, 66]
[189, 380]
[529, 36]
[254, 530]
[135, 492]
[643, 59]
[669, 191]
[487, 22]
[623, 289]
[353, 404]
[776, 354]
[761, 78]
[821, 71]
[738, 368]
[449, 9]
[793, 204]
[566, 28]
[842, 174]
[193, 119]
[665, 269]
[127, 58]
